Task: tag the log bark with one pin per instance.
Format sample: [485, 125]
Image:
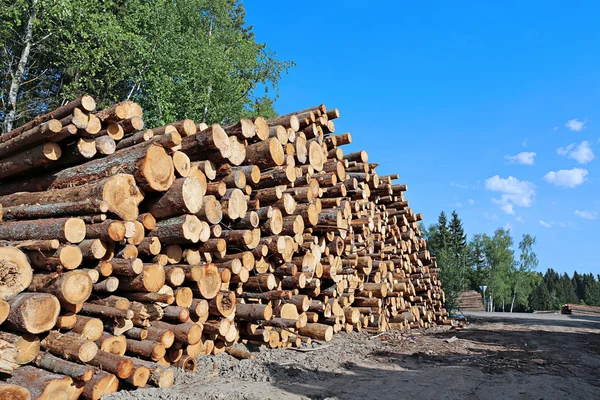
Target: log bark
[55, 364]
[35, 135]
[44, 385]
[86, 103]
[113, 363]
[118, 194]
[36, 157]
[70, 346]
[65, 229]
[149, 163]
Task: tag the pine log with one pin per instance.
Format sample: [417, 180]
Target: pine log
[27, 346]
[151, 279]
[15, 272]
[253, 312]
[65, 257]
[44, 385]
[183, 197]
[70, 346]
[54, 364]
[102, 383]
[113, 363]
[186, 333]
[108, 230]
[181, 229]
[85, 103]
[28, 138]
[33, 312]
[65, 229]
[89, 328]
[13, 392]
[266, 154]
[212, 139]
[149, 163]
[146, 349]
[73, 287]
[36, 157]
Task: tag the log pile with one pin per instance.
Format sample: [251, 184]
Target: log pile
[127, 252]
[580, 309]
[470, 300]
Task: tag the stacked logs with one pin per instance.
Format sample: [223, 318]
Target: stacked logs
[470, 300]
[580, 309]
[189, 238]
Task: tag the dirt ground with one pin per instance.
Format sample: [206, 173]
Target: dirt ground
[501, 357]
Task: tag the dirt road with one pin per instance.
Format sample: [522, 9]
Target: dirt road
[501, 356]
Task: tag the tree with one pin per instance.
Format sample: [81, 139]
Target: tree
[457, 236]
[528, 261]
[438, 236]
[500, 263]
[565, 291]
[191, 58]
[541, 298]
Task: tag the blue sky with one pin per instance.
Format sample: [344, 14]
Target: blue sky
[489, 108]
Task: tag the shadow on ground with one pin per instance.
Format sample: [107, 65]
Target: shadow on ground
[508, 359]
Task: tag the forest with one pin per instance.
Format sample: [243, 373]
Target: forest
[508, 269]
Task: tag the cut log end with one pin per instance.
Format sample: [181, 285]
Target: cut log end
[157, 169]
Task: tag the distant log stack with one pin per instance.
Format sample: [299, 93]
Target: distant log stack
[580, 309]
[470, 300]
[124, 252]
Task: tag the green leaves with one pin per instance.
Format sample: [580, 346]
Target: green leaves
[186, 59]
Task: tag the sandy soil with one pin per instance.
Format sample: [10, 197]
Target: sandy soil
[504, 357]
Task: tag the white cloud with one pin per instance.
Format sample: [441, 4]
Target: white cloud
[524, 144]
[586, 214]
[492, 217]
[507, 226]
[545, 224]
[555, 128]
[575, 124]
[514, 192]
[567, 177]
[471, 202]
[506, 207]
[458, 185]
[581, 153]
[520, 219]
[524, 158]
[458, 204]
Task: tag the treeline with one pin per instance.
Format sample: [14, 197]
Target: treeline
[508, 273]
[178, 59]
[553, 290]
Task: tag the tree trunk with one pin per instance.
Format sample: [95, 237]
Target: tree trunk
[17, 76]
